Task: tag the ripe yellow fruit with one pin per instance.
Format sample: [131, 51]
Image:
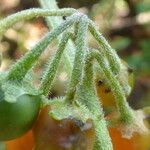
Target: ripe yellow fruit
[104, 92]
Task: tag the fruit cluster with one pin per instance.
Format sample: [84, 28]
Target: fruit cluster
[30, 120]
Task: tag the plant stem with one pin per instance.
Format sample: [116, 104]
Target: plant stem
[79, 57]
[31, 13]
[19, 70]
[125, 110]
[53, 65]
[52, 22]
[86, 95]
[2, 146]
[110, 53]
[69, 53]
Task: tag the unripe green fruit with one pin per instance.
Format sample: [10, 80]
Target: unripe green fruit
[18, 117]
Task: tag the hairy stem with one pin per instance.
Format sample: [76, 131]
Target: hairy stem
[86, 95]
[2, 146]
[79, 57]
[125, 110]
[110, 53]
[69, 53]
[53, 65]
[19, 70]
[51, 21]
[31, 13]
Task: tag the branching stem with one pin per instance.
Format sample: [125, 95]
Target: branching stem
[52, 22]
[19, 70]
[81, 87]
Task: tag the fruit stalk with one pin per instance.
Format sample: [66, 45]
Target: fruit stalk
[123, 107]
[110, 53]
[87, 96]
[79, 57]
[31, 13]
[53, 65]
[52, 22]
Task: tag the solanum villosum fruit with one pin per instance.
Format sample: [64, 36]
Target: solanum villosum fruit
[20, 100]
[19, 107]
[121, 135]
[25, 142]
[137, 141]
[104, 91]
[17, 118]
[66, 134]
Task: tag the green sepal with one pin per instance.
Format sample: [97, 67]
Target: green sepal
[29, 77]
[12, 91]
[61, 110]
[2, 76]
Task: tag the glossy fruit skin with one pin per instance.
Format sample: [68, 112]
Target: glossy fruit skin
[67, 134]
[137, 142]
[18, 117]
[25, 142]
[104, 93]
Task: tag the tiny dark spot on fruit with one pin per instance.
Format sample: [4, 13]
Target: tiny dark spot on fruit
[79, 123]
[107, 90]
[100, 82]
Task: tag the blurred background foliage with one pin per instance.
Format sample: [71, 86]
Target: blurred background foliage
[125, 23]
